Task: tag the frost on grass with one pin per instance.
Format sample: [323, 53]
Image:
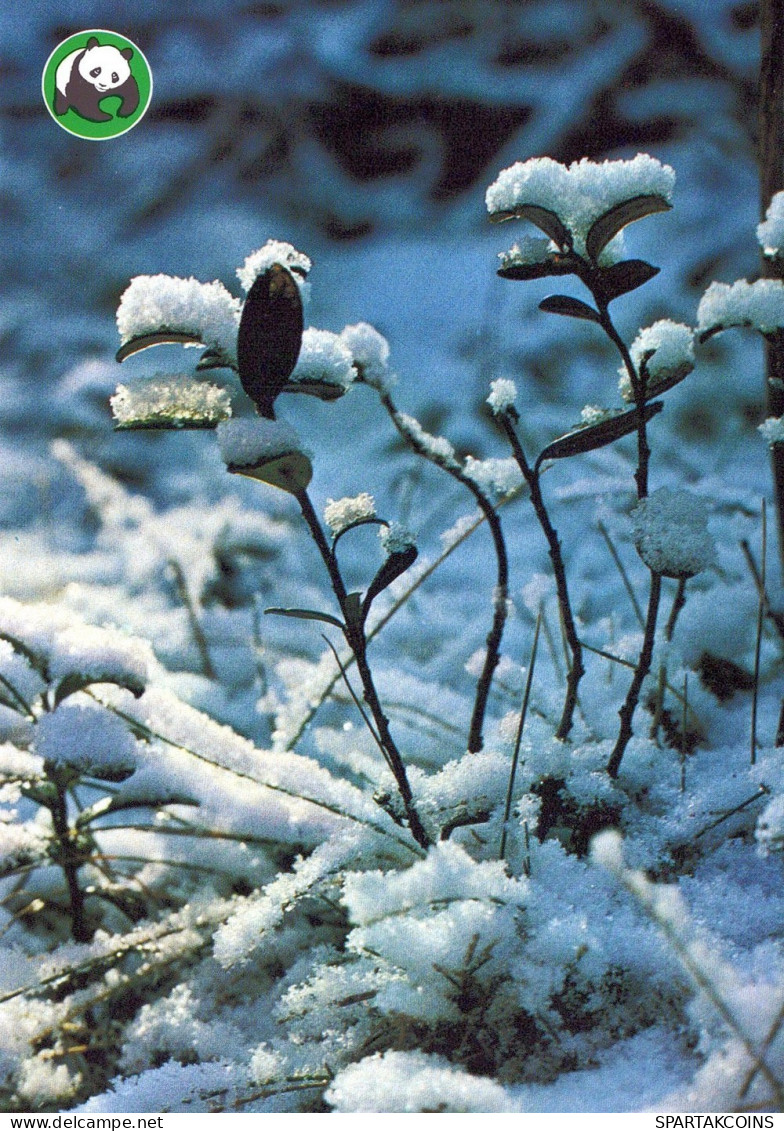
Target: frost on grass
[503, 394]
[323, 359]
[667, 351]
[770, 233]
[581, 192]
[671, 533]
[759, 305]
[248, 441]
[340, 513]
[274, 251]
[170, 402]
[370, 351]
[152, 303]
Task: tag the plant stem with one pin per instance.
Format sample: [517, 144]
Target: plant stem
[576, 666]
[501, 593]
[70, 862]
[355, 636]
[771, 159]
[638, 389]
[626, 712]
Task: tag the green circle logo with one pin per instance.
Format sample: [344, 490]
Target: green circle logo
[97, 84]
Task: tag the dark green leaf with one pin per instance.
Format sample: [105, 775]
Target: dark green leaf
[553, 265]
[160, 338]
[617, 217]
[548, 222]
[590, 437]
[571, 307]
[392, 568]
[74, 682]
[353, 525]
[306, 614]
[624, 277]
[269, 337]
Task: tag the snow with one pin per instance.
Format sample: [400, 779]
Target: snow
[759, 305]
[156, 302]
[370, 353]
[87, 738]
[503, 394]
[496, 477]
[773, 430]
[770, 233]
[324, 357]
[667, 348]
[163, 401]
[527, 251]
[273, 251]
[671, 533]
[579, 193]
[248, 441]
[396, 538]
[340, 513]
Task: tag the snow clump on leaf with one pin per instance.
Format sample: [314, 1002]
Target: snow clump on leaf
[323, 359]
[152, 303]
[581, 192]
[249, 440]
[340, 513]
[667, 350]
[773, 430]
[274, 251]
[86, 738]
[671, 533]
[172, 402]
[396, 538]
[759, 305]
[370, 351]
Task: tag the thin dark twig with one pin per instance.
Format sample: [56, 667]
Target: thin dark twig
[776, 619]
[357, 642]
[519, 736]
[501, 592]
[677, 607]
[758, 641]
[193, 618]
[576, 665]
[626, 712]
[355, 698]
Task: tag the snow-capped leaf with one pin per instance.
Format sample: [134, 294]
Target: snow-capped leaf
[570, 307]
[269, 337]
[617, 217]
[396, 564]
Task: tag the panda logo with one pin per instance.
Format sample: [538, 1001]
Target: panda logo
[86, 71]
[85, 77]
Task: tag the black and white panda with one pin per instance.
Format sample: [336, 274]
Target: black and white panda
[84, 77]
